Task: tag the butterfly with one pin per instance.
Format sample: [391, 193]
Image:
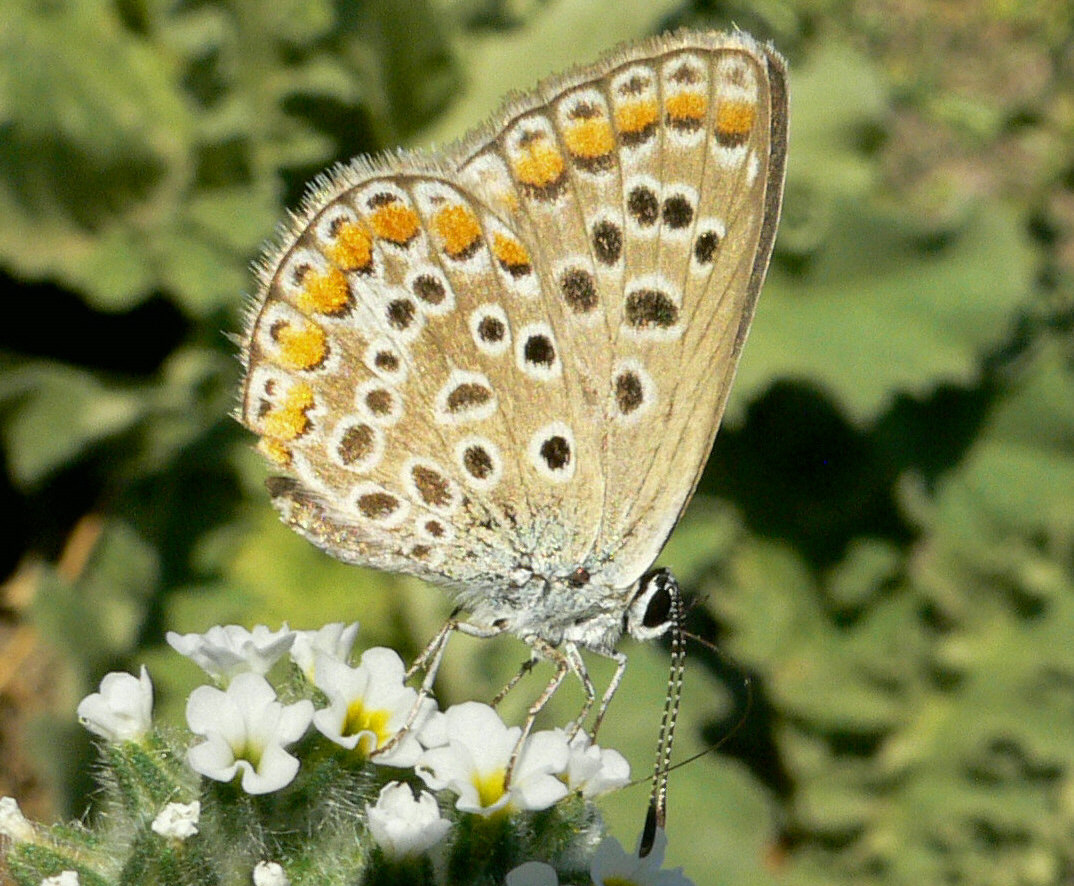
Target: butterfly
[501, 367]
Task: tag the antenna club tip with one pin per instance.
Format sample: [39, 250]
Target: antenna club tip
[653, 820]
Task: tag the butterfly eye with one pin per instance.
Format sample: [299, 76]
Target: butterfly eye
[649, 613]
[656, 613]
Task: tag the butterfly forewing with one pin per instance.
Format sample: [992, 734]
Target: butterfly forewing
[679, 343]
[516, 356]
[649, 189]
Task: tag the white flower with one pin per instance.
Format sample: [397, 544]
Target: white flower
[13, 823]
[532, 873]
[177, 820]
[67, 878]
[613, 867]
[223, 652]
[402, 825]
[122, 710]
[369, 704]
[246, 730]
[268, 873]
[334, 640]
[595, 770]
[469, 750]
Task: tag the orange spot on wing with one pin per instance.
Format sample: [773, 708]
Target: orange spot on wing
[395, 222]
[589, 138]
[636, 116]
[734, 120]
[538, 164]
[687, 106]
[510, 252]
[288, 421]
[300, 347]
[353, 247]
[458, 227]
[324, 292]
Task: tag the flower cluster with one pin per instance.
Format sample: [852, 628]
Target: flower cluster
[249, 737]
[371, 712]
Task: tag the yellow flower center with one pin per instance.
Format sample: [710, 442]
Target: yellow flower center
[360, 719]
[490, 787]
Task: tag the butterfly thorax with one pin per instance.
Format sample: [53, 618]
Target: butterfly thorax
[552, 609]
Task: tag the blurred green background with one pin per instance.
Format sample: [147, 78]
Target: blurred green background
[883, 539]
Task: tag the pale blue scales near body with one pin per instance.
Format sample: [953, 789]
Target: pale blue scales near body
[501, 367]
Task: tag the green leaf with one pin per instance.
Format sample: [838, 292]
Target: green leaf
[879, 312]
[56, 414]
[95, 135]
[1019, 476]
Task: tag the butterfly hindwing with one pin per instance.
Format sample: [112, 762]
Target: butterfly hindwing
[376, 367]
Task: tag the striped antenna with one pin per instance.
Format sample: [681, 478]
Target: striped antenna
[658, 799]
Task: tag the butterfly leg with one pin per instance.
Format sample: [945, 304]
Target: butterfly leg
[577, 664]
[434, 650]
[429, 660]
[620, 660]
[563, 665]
[528, 665]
